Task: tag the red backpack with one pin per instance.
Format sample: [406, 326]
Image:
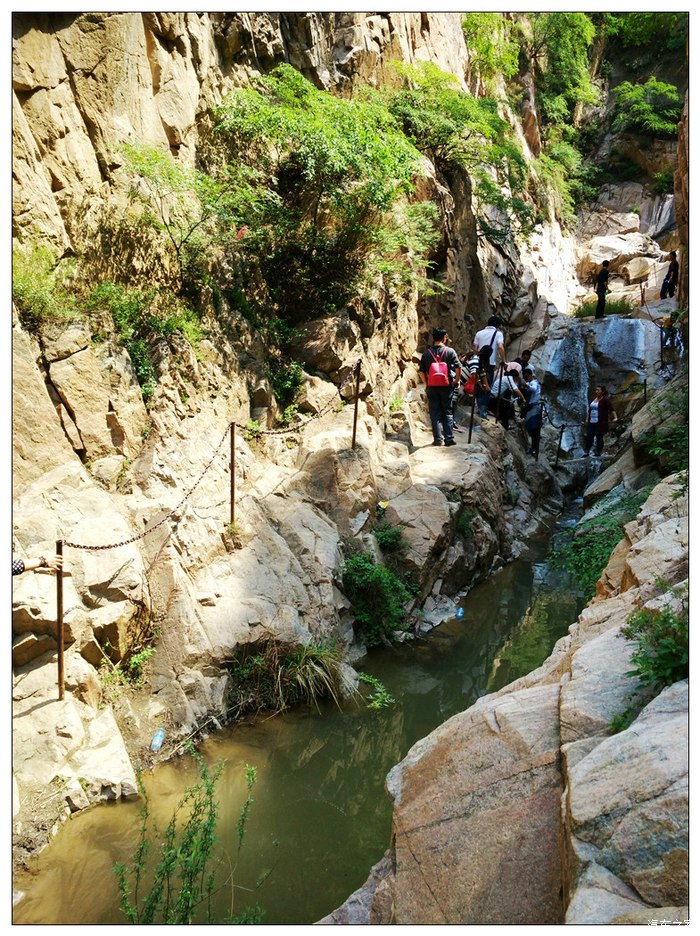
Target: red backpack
[438, 372]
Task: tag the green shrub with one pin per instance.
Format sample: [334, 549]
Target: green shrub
[663, 182]
[37, 290]
[180, 888]
[653, 108]
[379, 697]
[331, 170]
[465, 522]
[378, 597]
[621, 306]
[276, 676]
[389, 537]
[587, 554]
[286, 379]
[661, 655]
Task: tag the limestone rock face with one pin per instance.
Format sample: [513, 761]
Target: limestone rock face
[483, 803]
[485, 780]
[627, 805]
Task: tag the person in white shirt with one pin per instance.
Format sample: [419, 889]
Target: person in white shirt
[492, 336]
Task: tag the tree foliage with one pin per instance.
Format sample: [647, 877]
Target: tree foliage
[653, 108]
[669, 30]
[455, 129]
[194, 210]
[333, 172]
[493, 48]
[559, 47]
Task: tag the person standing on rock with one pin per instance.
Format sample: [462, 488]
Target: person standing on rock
[491, 337]
[440, 371]
[532, 410]
[601, 288]
[504, 391]
[600, 412]
[668, 287]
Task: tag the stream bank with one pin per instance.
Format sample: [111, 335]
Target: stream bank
[321, 774]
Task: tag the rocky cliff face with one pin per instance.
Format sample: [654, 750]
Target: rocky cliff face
[93, 467]
[526, 808]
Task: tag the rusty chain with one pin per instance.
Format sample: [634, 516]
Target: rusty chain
[190, 491]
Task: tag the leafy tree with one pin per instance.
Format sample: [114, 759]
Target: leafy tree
[193, 210]
[333, 171]
[654, 107]
[648, 29]
[559, 47]
[493, 49]
[455, 129]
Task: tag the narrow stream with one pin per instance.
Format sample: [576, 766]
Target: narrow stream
[320, 817]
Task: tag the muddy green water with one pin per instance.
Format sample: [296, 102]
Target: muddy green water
[321, 817]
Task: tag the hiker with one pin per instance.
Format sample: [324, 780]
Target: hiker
[601, 288]
[53, 564]
[668, 287]
[532, 410]
[504, 391]
[480, 363]
[600, 411]
[490, 336]
[440, 371]
[523, 359]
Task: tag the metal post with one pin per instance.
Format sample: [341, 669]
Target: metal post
[471, 417]
[233, 473]
[561, 436]
[357, 403]
[645, 389]
[661, 344]
[59, 617]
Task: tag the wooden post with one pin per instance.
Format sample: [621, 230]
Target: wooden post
[59, 617]
[471, 417]
[561, 436]
[233, 473]
[357, 402]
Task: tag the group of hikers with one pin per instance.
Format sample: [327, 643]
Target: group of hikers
[496, 387]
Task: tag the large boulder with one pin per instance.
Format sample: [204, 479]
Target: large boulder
[472, 803]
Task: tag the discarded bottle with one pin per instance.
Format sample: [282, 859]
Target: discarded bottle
[157, 740]
[459, 613]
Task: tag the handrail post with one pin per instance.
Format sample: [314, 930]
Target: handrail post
[59, 617]
[233, 473]
[357, 402]
[645, 389]
[561, 436]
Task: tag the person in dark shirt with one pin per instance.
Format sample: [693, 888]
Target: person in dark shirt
[601, 288]
[668, 287]
[440, 398]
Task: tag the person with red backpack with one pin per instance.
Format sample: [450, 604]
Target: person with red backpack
[440, 371]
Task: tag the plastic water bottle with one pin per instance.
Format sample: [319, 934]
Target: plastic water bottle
[459, 613]
[157, 740]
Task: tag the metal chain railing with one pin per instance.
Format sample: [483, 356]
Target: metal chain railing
[187, 495]
[267, 432]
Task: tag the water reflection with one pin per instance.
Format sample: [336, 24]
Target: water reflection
[320, 817]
